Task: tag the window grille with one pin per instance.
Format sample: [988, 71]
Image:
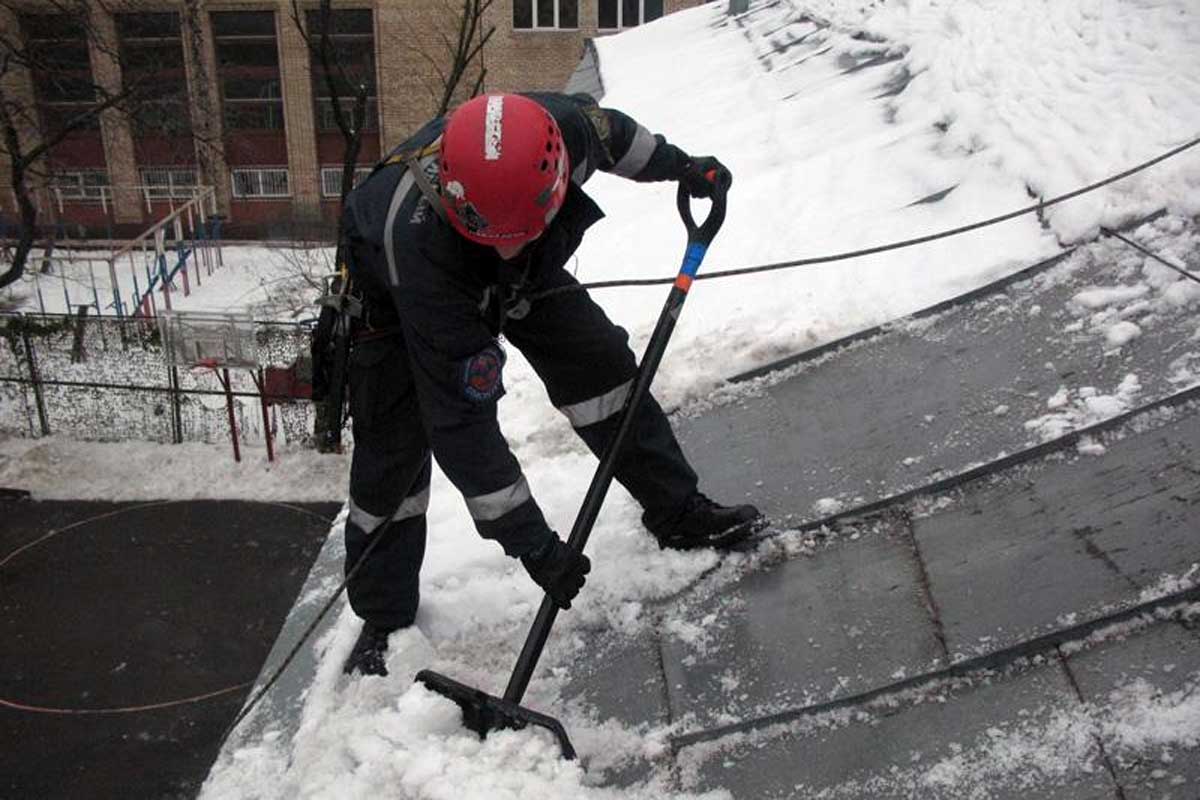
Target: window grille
[80, 184]
[261, 182]
[331, 179]
[169, 182]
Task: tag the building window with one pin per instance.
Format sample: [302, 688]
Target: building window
[61, 70]
[152, 61]
[331, 179]
[545, 14]
[616, 14]
[261, 182]
[169, 182]
[352, 40]
[248, 68]
[88, 184]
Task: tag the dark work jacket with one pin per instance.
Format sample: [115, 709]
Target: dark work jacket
[441, 290]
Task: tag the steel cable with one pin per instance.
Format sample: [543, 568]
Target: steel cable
[883, 248]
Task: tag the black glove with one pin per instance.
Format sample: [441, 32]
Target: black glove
[557, 570]
[703, 176]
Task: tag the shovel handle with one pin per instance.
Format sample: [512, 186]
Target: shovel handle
[699, 237]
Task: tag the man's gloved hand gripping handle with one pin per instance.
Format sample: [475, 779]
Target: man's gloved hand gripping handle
[558, 570]
[704, 176]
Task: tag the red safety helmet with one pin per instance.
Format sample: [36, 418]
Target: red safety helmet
[503, 169]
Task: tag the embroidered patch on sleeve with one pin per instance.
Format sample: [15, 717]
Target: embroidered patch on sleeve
[482, 380]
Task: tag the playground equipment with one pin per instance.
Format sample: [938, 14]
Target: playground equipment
[216, 342]
[175, 253]
[194, 232]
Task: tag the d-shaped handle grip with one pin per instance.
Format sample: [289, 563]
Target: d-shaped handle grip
[706, 231]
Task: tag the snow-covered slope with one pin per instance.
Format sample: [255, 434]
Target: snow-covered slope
[836, 118]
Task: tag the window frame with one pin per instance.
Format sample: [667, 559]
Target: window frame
[79, 189]
[556, 27]
[621, 26]
[171, 189]
[331, 180]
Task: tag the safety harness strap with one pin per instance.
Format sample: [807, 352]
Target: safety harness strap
[422, 180]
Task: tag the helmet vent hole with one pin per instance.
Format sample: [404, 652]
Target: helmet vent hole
[545, 164]
[549, 147]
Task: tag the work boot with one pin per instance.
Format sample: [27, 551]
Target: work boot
[369, 656]
[704, 523]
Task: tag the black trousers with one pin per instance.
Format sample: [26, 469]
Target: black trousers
[587, 367]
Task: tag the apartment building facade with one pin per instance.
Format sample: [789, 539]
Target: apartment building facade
[236, 99]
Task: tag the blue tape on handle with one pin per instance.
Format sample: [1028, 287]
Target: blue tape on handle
[692, 258]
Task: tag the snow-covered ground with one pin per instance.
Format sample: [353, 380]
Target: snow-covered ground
[996, 101]
[266, 283]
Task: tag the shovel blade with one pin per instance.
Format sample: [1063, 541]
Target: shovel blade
[483, 713]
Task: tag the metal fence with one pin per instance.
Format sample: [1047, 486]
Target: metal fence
[108, 379]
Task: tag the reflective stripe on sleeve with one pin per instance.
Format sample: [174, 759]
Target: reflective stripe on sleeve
[413, 506]
[638, 154]
[597, 409]
[494, 505]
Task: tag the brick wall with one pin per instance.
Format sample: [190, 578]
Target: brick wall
[409, 39]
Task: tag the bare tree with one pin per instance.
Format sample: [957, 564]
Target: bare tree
[459, 61]
[28, 136]
[209, 147]
[349, 89]
[462, 35]
[348, 93]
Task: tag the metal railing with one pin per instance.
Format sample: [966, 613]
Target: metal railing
[60, 198]
[192, 240]
[174, 254]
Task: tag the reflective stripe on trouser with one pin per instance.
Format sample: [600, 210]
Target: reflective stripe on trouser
[389, 485]
[587, 366]
[598, 408]
[414, 505]
[386, 589]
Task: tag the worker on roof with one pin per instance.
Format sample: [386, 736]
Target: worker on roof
[446, 242]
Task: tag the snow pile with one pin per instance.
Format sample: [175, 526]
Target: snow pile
[1071, 409]
[1150, 294]
[373, 738]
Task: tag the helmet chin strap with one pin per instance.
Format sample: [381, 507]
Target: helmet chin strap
[509, 251]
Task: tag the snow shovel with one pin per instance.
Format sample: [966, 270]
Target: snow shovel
[483, 712]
